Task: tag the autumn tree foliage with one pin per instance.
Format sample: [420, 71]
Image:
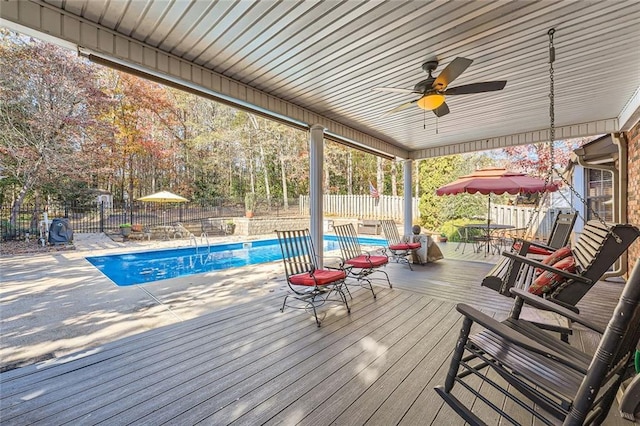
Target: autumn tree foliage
[69, 124]
[146, 135]
[50, 109]
[536, 159]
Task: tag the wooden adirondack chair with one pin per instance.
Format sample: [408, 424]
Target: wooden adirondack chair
[399, 249]
[361, 264]
[552, 378]
[310, 286]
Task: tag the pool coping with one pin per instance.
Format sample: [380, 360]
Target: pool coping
[118, 280]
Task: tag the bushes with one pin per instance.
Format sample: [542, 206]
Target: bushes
[450, 228]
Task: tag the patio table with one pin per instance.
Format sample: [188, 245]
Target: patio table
[487, 238]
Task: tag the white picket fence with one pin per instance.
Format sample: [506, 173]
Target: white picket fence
[519, 217]
[362, 206]
[389, 207]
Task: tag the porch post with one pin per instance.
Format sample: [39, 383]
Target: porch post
[316, 158]
[408, 197]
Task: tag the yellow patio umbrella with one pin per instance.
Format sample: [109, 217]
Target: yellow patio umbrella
[163, 197]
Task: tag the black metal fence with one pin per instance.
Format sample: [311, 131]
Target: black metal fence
[104, 217]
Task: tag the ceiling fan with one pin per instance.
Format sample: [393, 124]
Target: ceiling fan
[432, 90]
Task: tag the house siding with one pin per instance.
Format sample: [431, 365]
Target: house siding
[633, 185]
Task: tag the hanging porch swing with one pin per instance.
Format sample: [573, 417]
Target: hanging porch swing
[503, 276]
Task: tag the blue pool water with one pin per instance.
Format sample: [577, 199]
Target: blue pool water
[139, 268]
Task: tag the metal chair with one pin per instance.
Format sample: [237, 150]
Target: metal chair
[462, 238]
[399, 249]
[545, 376]
[179, 231]
[361, 263]
[471, 234]
[310, 286]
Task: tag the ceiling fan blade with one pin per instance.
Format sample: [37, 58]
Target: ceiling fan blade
[392, 89]
[487, 86]
[451, 72]
[441, 110]
[400, 107]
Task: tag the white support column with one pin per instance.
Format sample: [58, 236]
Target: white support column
[408, 197]
[316, 158]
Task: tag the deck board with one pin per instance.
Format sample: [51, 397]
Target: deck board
[388, 371]
[226, 371]
[421, 375]
[294, 365]
[355, 361]
[251, 364]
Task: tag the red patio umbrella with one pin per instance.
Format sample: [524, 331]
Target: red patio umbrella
[496, 181]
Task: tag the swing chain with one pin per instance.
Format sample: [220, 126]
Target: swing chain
[552, 111]
[584, 202]
[549, 177]
[552, 134]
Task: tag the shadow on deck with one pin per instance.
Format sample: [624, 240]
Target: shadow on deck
[251, 364]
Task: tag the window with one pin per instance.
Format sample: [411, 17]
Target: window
[600, 194]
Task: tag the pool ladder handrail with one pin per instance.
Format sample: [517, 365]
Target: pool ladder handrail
[195, 241]
[206, 240]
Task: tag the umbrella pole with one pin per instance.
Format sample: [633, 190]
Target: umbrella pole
[488, 227]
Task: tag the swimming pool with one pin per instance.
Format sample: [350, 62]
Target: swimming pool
[144, 267]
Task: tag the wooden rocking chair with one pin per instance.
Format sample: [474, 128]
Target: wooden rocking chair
[559, 237]
[310, 286]
[545, 376]
[399, 249]
[361, 263]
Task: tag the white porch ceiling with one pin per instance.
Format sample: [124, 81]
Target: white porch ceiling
[324, 57]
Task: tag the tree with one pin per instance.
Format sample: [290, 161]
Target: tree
[50, 108]
[293, 153]
[394, 178]
[535, 159]
[145, 150]
[433, 173]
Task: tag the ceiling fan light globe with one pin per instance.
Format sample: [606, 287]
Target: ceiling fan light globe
[431, 102]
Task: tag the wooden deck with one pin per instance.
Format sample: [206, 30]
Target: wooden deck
[251, 364]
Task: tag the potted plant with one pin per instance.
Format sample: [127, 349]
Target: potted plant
[249, 203]
[442, 238]
[125, 229]
[230, 227]
[136, 227]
